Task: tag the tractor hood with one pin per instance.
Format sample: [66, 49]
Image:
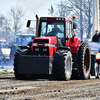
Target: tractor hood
[47, 39]
[44, 45]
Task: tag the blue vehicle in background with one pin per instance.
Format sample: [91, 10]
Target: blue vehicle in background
[21, 40]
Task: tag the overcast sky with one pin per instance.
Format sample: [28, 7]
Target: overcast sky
[31, 7]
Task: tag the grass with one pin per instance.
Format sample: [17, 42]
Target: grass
[6, 72]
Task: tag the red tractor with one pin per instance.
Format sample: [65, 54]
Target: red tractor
[55, 51]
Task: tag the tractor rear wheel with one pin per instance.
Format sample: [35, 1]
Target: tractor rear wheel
[84, 61]
[62, 65]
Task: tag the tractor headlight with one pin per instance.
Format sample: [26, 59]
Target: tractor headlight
[35, 44]
[46, 44]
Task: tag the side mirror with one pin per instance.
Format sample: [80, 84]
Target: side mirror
[28, 23]
[74, 25]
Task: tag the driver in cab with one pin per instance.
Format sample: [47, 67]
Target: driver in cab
[54, 31]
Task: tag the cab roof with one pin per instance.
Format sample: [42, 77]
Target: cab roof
[54, 19]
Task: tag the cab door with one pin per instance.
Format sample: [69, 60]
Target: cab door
[71, 41]
[69, 32]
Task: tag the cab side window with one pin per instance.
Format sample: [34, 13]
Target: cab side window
[68, 29]
[70, 24]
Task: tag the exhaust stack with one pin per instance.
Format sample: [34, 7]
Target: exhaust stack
[37, 24]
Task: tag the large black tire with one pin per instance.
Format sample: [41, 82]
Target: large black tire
[84, 58]
[19, 52]
[62, 65]
[96, 70]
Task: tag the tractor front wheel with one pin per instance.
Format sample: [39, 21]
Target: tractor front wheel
[62, 65]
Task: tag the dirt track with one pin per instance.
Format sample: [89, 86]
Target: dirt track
[12, 89]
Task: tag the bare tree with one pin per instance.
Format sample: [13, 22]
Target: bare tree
[16, 15]
[2, 18]
[86, 10]
[11, 24]
[4, 26]
[82, 9]
[62, 9]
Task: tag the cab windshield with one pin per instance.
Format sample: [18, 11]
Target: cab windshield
[52, 29]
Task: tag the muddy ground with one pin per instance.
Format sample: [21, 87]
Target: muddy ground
[43, 89]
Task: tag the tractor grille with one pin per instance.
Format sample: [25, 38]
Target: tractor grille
[41, 40]
[41, 51]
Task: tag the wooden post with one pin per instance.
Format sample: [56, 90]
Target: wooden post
[95, 16]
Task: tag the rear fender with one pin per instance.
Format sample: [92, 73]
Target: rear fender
[74, 45]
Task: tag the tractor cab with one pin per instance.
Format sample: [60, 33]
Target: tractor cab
[63, 29]
[60, 27]
[56, 26]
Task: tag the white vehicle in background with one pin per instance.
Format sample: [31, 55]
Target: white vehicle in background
[7, 50]
[4, 52]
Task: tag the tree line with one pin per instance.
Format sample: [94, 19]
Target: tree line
[11, 24]
[82, 9]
